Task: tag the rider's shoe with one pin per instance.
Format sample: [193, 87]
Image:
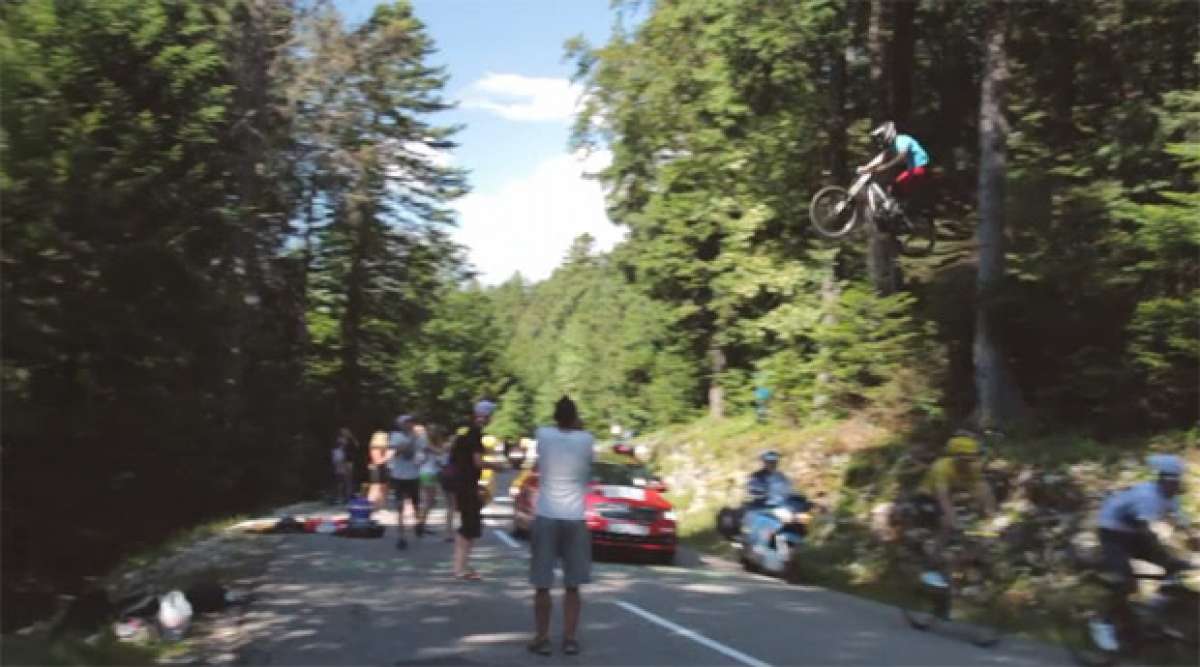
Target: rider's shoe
[934, 579]
[1104, 635]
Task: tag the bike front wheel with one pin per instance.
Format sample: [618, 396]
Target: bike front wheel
[832, 212]
[917, 235]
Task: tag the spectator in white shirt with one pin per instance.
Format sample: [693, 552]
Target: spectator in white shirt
[559, 530]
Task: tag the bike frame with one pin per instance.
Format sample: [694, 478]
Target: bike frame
[874, 199]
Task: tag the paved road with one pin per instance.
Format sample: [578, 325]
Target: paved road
[333, 601]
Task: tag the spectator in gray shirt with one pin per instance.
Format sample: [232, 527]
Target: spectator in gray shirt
[406, 452]
[560, 532]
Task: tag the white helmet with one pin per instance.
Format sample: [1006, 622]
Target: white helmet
[885, 134]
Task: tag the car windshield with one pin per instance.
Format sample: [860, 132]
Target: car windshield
[619, 474]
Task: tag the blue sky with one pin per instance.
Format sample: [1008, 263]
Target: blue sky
[505, 61]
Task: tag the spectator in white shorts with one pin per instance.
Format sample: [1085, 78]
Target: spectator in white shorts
[560, 532]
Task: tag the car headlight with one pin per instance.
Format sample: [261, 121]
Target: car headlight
[669, 515]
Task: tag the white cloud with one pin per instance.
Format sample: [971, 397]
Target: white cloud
[528, 224]
[523, 98]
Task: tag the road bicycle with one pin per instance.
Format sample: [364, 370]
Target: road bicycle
[1167, 620]
[836, 211]
[957, 588]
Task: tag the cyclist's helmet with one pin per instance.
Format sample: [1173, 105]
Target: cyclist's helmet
[770, 456]
[885, 134]
[963, 443]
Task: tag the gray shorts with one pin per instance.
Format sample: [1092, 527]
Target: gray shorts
[555, 539]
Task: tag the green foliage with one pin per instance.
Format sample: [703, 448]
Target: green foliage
[224, 233]
[150, 317]
[587, 333]
[722, 118]
[388, 331]
[866, 351]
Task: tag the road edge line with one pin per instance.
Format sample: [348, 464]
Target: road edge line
[692, 635]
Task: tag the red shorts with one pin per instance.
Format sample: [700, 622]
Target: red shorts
[909, 180]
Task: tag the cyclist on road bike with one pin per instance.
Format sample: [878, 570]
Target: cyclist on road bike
[960, 469]
[1124, 527]
[896, 148]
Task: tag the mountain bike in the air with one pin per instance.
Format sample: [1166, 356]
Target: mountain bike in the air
[836, 212]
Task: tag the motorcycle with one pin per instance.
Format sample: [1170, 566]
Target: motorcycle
[769, 538]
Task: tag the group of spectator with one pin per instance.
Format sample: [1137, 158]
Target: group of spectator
[416, 466]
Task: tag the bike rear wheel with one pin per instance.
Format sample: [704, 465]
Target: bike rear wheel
[832, 212]
[916, 234]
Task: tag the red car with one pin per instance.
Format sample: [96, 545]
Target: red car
[625, 510]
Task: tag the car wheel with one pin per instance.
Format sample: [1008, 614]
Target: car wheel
[664, 558]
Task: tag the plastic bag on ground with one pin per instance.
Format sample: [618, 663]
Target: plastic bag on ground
[174, 615]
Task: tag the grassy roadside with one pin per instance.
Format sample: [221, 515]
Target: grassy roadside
[208, 552]
[852, 467]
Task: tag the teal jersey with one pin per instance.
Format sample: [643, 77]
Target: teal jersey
[917, 157]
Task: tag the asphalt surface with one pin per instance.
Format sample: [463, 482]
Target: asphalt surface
[336, 601]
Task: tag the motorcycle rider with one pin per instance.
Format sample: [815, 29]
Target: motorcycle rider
[767, 485]
[1124, 532]
[902, 148]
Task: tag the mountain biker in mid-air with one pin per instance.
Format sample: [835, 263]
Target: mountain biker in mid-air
[895, 148]
[1124, 527]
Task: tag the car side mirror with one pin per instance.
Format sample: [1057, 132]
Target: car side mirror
[657, 485]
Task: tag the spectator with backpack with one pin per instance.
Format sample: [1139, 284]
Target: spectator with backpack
[406, 449]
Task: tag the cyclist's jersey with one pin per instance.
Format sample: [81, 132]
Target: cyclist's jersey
[943, 474]
[917, 157]
[1141, 502]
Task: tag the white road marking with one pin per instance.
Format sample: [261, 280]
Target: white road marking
[692, 635]
[505, 538]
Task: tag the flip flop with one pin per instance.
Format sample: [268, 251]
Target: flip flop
[468, 576]
[570, 647]
[540, 646]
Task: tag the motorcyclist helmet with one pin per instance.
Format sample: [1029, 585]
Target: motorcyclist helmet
[770, 456]
[1168, 466]
[885, 134]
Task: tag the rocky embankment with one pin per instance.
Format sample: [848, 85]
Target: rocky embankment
[1049, 490]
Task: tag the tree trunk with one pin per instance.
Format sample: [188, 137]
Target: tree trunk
[875, 51]
[837, 109]
[716, 395]
[999, 399]
[901, 65]
[352, 319]
[831, 292]
[953, 107]
[1063, 42]
[881, 252]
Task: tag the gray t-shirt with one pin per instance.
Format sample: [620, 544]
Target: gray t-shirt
[407, 459]
[564, 470]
